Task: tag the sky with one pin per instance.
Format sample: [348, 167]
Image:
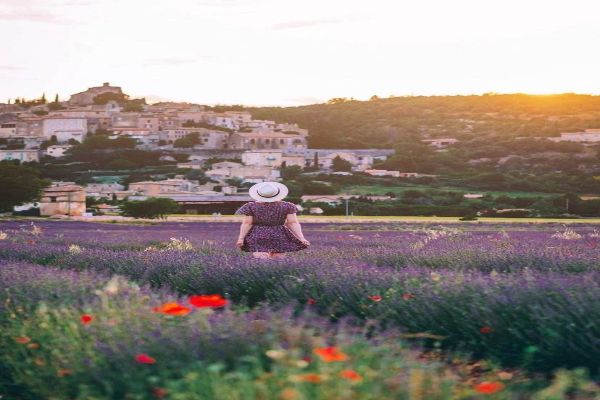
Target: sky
[289, 52]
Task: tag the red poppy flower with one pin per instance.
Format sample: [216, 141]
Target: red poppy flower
[159, 392]
[489, 387]
[172, 309]
[312, 378]
[143, 358]
[408, 296]
[22, 339]
[375, 298]
[86, 319]
[330, 354]
[311, 302]
[210, 300]
[351, 375]
[485, 330]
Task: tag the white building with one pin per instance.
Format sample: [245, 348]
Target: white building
[263, 158]
[21, 155]
[382, 172]
[8, 129]
[587, 136]
[65, 128]
[440, 143]
[57, 150]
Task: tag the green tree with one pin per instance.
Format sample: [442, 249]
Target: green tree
[104, 98]
[339, 164]
[154, 207]
[47, 143]
[189, 140]
[291, 172]
[18, 184]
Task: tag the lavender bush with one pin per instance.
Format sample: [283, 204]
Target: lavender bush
[514, 296]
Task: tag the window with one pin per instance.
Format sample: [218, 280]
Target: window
[281, 141]
[52, 199]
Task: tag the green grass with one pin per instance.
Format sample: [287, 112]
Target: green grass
[399, 190]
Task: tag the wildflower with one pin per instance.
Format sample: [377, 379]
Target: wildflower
[301, 363]
[211, 300]
[351, 375]
[330, 354]
[567, 234]
[39, 361]
[74, 249]
[33, 346]
[489, 387]
[3, 235]
[408, 296]
[289, 394]
[22, 339]
[159, 392]
[485, 330]
[61, 373]
[172, 309]
[311, 302]
[86, 319]
[435, 276]
[504, 375]
[312, 378]
[143, 358]
[179, 244]
[375, 298]
[275, 354]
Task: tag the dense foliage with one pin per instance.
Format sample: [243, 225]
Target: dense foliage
[19, 184]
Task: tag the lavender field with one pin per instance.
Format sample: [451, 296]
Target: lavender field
[370, 311]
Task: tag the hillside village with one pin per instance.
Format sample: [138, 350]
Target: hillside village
[101, 148]
[261, 148]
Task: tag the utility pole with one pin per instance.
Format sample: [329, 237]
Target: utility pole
[567, 205]
[347, 207]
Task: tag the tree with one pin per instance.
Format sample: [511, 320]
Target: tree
[43, 99]
[189, 140]
[291, 172]
[339, 164]
[104, 98]
[50, 142]
[153, 207]
[18, 184]
[56, 98]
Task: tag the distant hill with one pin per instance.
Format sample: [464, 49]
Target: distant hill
[386, 122]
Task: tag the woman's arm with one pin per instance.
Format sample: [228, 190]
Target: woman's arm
[294, 225]
[244, 229]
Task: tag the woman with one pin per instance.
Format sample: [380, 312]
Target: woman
[270, 227]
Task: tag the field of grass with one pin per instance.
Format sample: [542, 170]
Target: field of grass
[411, 310]
[398, 190]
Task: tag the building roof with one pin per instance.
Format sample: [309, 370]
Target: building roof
[64, 188]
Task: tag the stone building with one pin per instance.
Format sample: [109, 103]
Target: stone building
[63, 199]
[87, 97]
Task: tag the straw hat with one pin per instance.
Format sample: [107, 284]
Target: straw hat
[268, 191]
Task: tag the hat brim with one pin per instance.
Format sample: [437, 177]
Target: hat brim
[283, 192]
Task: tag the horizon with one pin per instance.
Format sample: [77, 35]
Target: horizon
[273, 53]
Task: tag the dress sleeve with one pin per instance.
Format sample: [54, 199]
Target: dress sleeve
[245, 210]
[291, 208]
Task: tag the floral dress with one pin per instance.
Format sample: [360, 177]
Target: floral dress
[268, 232]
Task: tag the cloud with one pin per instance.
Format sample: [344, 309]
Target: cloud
[303, 100]
[304, 23]
[30, 11]
[172, 61]
[10, 68]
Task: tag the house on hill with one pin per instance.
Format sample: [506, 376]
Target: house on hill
[63, 199]
[87, 97]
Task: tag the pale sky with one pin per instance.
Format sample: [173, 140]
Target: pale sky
[283, 52]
